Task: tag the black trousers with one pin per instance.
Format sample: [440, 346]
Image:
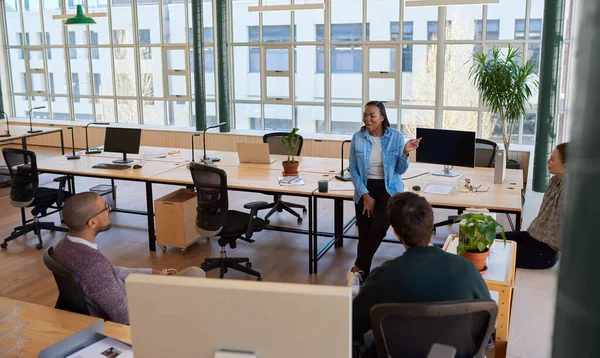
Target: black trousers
[531, 253]
[371, 230]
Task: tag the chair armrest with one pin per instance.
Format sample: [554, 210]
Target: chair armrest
[61, 179]
[61, 189]
[258, 205]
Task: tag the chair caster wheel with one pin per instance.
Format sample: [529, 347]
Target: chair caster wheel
[183, 251]
[304, 211]
[248, 265]
[259, 279]
[163, 247]
[299, 220]
[39, 246]
[4, 245]
[267, 221]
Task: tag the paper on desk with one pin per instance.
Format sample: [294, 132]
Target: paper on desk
[292, 180]
[438, 189]
[335, 185]
[106, 347]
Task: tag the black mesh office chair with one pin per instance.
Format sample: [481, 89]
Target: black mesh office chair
[25, 193]
[411, 329]
[214, 219]
[485, 153]
[70, 293]
[276, 147]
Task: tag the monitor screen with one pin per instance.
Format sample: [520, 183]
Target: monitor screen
[122, 140]
[446, 147]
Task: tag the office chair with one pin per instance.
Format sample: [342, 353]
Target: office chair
[70, 293]
[214, 219]
[485, 153]
[411, 329]
[25, 193]
[276, 147]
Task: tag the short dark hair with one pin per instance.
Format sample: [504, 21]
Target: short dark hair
[411, 217]
[562, 149]
[381, 106]
[78, 209]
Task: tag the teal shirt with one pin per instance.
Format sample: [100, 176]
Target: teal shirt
[422, 274]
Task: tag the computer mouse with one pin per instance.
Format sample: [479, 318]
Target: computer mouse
[137, 166]
[416, 188]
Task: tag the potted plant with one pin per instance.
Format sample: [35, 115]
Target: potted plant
[504, 86]
[477, 233]
[290, 142]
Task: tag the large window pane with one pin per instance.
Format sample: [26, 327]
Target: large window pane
[310, 119]
[33, 23]
[152, 73]
[208, 22]
[105, 110]
[211, 114]
[491, 128]
[247, 82]
[529, 124]
[382, 89]
[173, 22]
[278, 87]
[346, 77]
[460, 120]
[461, 21]
[421, 17]
[12, 14]
[122, 32]
[307, 20]
[278, 117]
[416, 118]
[310, 86]
[458, 88]
[99, 33]
[382, 59]
[418, 86]
[537, 14]
[17, 72]
[153, 112]
[102, 67]
[125, 76]
[243, 19]
[246, 114]
[178, 113]
[83, 109]
[345, 15]
[127, 111]
[53, 28]
[60, 108]
[346, 120]
[507, 11]
[379, 16]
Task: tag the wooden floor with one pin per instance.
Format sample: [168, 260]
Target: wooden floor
[280, 257]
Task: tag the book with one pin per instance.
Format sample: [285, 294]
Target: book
[291, 180]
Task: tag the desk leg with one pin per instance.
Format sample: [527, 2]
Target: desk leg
[313, 236]
[150, 211]
[518, 221]
[503, 322]
[24, 143]
[62, 142]
[340, 228]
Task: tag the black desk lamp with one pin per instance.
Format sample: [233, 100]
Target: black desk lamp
[72, 156]
[194, 134]
[341, 175]
[7, 134]
[31, 125]
[205, 158]
[89, 150]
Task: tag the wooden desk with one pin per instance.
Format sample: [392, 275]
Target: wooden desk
[20, 132]
[44, 326]
[158, 154]
[500, 277]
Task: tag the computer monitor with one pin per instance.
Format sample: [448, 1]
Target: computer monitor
[183, 317]
[447, 147]
[122, 140]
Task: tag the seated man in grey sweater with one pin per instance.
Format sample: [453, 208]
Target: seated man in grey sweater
[86, 215]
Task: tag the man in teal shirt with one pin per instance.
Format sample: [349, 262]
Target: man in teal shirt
[424, 273]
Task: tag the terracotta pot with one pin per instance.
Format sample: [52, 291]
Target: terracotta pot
[477, 258]
[290, 168]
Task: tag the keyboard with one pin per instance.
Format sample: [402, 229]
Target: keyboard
[111, 166]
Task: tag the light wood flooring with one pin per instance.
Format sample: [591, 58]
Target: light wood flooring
[280, 257]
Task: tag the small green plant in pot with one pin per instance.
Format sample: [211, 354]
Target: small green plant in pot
[290, 142]
[477, 234]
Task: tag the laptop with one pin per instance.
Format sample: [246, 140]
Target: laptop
[254, 153]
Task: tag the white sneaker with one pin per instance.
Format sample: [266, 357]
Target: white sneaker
[354, 279]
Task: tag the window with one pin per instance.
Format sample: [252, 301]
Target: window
[51, 76]
[144, 39]
[344, 58]
[24, 84]
[209, 53]
[20, 43]
[48, 51]
[492, 29]
[72, 41]
[94, 41]
[407, 50]
[271, 124]
[271, 33]
[75, 79]
[535, 29]
[97, 84]
[432, 30]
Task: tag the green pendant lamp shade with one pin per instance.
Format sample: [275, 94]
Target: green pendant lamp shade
[80, 18]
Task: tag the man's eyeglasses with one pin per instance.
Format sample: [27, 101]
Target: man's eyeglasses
[106, 208]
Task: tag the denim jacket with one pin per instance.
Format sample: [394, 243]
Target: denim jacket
[395, 162]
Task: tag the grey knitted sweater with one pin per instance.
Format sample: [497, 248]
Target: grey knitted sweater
[102, 283]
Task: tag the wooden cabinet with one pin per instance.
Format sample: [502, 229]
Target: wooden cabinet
[176, 219]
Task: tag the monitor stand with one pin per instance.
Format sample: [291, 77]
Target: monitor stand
[446, 172]
[124, 160]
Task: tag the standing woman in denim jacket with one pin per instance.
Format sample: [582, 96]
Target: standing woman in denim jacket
[378, 157]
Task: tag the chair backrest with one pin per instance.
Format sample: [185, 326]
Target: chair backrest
[485, 152]
[70, 293]
[276, 145]
[410, 329]
[211, 188]
[22, 167]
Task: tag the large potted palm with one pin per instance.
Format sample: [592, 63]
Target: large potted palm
[505, 86]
